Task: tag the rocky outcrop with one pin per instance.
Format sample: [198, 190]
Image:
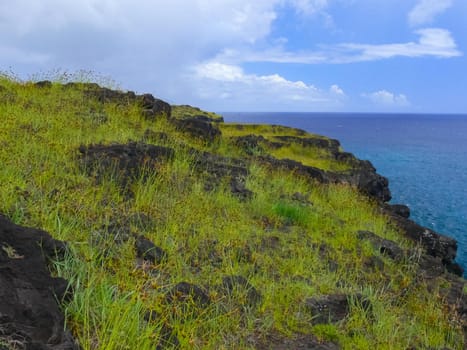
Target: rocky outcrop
[436, 245]
[215, 168]
[151, 107]
[197, 128]
[333, 308]
[30, 317]
[124, 162]
[185, 292]
[364, 177]
[383, 246]
[148, 251]
[235, 285]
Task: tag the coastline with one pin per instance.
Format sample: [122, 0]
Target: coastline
[187, 222]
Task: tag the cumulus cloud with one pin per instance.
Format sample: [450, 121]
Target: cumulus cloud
[233, 87]
[335, 89]
[387, 99]
[426, 10]
[163, 46]
[159, 37]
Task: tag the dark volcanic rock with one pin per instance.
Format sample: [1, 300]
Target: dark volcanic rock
[197, 128]
[305, 342]
[124, 162]
[435, 244]
[154, 108]
[167, 338]
[292, 165]
[239, 284]
[186, 292]
[105, 95]
[329, 144]
[400, 209]
[217, 168]
[332, 308]
[383, 246]
[366, 179]
[44, 84]
[254, 144]
[29, 314]
[148, 251]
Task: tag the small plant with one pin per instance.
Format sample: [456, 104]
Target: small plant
[291, 213]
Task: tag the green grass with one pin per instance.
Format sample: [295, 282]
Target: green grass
[272, 240]
[186, 111]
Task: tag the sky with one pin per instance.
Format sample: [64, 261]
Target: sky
[397, 56]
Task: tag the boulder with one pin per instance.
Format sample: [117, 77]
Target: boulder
[383, 246]
[217, 168]
[30, 317]
[148, 251]
[197, 128]
[124, 162]
[153, 108]
[400, 209]
[185, 292]
[332, 308]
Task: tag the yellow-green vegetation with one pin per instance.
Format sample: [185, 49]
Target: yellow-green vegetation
[294, 239]
[311, 155]
[186, 111]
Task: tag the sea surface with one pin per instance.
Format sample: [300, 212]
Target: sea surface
[423, 156]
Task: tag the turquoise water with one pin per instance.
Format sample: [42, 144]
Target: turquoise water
[423, 156]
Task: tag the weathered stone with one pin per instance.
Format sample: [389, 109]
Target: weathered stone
[186, 292]
[332, 308]
[299, 341]
[155, 136]
[124, 162]
[292, 165]
[435, 244]
[383, 246]
[250, 144]
[43, 84]
[148, 251]
[153, 108]
[217, 168]
[197, 128]
[401, 210]
[166, 336]
[29, 314]
[239, 284]
[374, 263]
[238, 188]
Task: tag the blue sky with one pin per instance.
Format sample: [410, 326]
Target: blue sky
[263, 55]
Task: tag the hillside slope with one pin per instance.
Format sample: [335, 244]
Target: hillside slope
[186, 232]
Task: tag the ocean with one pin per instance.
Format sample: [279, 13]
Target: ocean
[423, 156]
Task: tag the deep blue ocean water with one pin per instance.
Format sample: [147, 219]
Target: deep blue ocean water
[423, 156]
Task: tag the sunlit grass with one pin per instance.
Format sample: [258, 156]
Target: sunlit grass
[288, 247]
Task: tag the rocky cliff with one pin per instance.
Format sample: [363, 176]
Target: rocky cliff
[188, 220]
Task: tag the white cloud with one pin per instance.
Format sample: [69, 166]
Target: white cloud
[157, 46]
[426, 10]
[309, 7]
[434, 42]
[387, 99]
[232, 87]
[335, 89]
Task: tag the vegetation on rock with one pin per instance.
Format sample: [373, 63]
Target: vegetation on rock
[192, 234]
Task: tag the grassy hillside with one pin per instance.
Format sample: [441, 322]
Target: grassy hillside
[242, 249]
